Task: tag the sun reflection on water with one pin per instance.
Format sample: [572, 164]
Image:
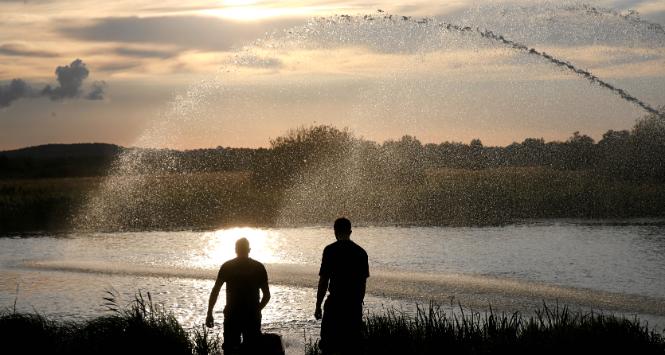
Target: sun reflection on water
[221, 245]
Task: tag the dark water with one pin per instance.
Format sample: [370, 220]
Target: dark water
[616, 267]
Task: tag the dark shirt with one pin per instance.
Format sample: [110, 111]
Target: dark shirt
[345, 264]
[244, 278]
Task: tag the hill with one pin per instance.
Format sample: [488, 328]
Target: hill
[60, 151]
[58, 160]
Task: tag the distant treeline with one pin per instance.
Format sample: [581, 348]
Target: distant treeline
[311, 175]
[636, 154]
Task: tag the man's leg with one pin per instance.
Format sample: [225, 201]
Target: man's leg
[349, 328]
[355, 324]
[231, 332]
[251, 332]
[330, 328]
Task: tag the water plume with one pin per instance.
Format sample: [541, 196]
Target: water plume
[568, 66]
[630, 16]
[428, 24]
[123, 199]
[136, 191]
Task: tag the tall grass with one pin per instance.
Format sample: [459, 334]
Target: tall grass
[210, 200]
[550, 331]
[142, 327]
[145, 328]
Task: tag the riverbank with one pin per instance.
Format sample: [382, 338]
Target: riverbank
[208, 201]
[141, 327]
[145, 328]
[551, 331]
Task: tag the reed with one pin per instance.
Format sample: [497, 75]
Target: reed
[552, 330]
[209, 200]
[141, 327]
[145, 328]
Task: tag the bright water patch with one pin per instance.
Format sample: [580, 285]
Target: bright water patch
[613, 258]
[614, 267]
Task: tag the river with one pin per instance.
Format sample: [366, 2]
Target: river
[611, 266]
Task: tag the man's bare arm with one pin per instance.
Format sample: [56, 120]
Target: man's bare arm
[362, 289]
[320, 295]
[210, 321]
[265, 296]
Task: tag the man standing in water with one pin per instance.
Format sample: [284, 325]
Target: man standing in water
[344, 272]
[244, 278]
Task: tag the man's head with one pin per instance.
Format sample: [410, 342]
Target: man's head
[342, 228]
[242, 247]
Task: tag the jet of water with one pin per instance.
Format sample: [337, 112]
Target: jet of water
[498, 38]
[631, 16]
[567, 65]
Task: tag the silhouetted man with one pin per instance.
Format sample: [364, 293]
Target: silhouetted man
[244, 278]
[344, 271]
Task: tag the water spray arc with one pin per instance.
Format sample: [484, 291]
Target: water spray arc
[631, 16]
[581, 72]
[134, 185]
[487, 34]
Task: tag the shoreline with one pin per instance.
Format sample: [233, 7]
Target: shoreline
[145, 327]
[607, 221]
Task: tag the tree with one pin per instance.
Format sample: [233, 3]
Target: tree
[615, 138]
[579, 152]
[301, 150]
[648, 136]
[476, 144]
[403, 160]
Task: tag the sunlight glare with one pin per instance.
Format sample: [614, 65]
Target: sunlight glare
[221, 245]
[246, 11]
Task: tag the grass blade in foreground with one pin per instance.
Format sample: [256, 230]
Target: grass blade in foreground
[550, 331]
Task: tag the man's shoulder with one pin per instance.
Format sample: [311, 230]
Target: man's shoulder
[237, 265]
[344, 246]
[361, 249]
[333, 248]
[256, 263]
[228, 263]
[355, 246]
[257, 267]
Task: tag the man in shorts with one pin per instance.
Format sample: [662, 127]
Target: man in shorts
[244, 277]
[344, 272]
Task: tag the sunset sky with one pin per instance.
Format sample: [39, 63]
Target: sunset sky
[237, 73]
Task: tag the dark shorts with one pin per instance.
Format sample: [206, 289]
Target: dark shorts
[237, 323]
[341, 327]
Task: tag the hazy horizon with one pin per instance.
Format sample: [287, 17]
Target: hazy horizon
[267, 144]
[193, 75]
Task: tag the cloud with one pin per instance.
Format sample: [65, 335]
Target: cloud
[115, 66]
[255, 61]
[18, 50]
[70, 81]
[15, 90]
[70, 78]
[145, 53]
[186, 32]
[96, 91]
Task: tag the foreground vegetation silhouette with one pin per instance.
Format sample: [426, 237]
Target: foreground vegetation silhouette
[141, 327]
[145, 328]
[550, 331]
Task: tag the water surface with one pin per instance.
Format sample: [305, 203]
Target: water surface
[616, 267]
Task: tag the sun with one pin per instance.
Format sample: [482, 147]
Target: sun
[254, 11]
[221, 245]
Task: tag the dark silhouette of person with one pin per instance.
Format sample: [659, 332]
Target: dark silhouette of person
[244, 277]
[344, 272]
